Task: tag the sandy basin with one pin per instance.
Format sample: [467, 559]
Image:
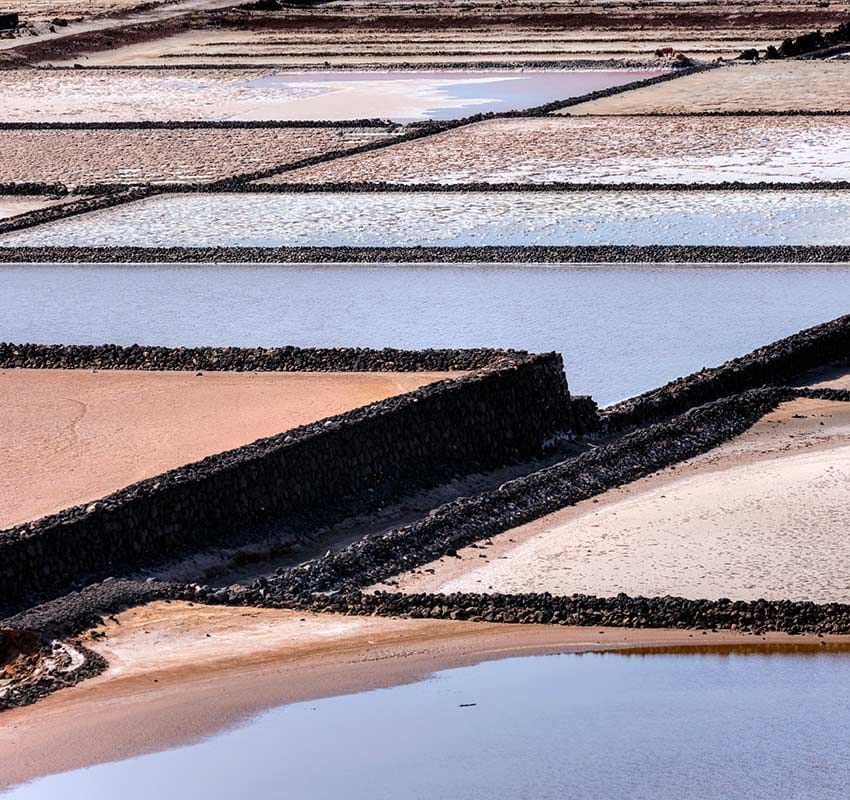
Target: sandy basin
[71, 436]
[227, 663]
[762, 516]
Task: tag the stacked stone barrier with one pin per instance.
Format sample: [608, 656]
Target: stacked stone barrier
[621, 611]
[497, 254]
[350, 463]
[248, 359]
[95, 202]
[470, 519]
[774, 364]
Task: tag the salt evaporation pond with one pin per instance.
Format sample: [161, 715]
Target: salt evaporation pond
[600, 727]
[621, 329]
[130, 94]
[453, 219]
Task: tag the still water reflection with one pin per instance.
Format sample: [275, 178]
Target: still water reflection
[597, 727]
[622, 330]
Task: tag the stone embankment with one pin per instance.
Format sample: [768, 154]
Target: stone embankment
[247, 359]
[774, 364]
[352, 463]
[333, 584]
[470, 519]
[84, 205]
[498, 254]
[757, 616]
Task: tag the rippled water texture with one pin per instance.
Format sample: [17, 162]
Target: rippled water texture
[598, 727]
[457, 219]
[621, 330]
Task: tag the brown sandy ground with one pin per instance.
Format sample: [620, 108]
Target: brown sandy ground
[769, 86]
[84, 157]
[370, 33]
[74, 10]
[12, 205]
[606, 149]
[83, 16]
[69, 436]
[227, 663]
[764, 515]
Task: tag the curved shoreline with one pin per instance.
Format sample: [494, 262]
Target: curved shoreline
[231, 663]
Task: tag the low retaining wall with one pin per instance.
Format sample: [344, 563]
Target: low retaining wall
[517, 502]
[773, 364]
[622, 611]
[350, 463]
[84, 205]
[497, 254]
[247, 359]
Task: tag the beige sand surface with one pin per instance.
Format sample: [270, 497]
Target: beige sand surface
[770, 86]
[606, 150]
[12, 205]
[829, 378]
[179, 672]
[765, 515]
[71, 436]
[80, 157]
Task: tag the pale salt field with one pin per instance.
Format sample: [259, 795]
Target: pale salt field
[455, 219]
[622, 329]
[262, 94]
[606, 150]
[603, 726]
[86, 157]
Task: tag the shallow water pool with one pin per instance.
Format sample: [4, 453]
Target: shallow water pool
[598, 727]
[130, 94]
[621, 329]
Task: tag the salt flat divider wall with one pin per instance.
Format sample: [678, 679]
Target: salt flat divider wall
[350, 463]
[773, 364]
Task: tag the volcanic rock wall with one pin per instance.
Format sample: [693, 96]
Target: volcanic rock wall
[349, 463]
[771, 365]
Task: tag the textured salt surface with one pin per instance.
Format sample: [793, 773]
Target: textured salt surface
[163, 156]
[456, 219]
[607, 150]
[761, 516]
[771, 86]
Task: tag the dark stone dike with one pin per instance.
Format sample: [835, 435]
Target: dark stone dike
[501, 411]
[351, 463]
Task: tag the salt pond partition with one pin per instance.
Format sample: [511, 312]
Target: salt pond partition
[602, 727]
[455, 219]
[622, 330]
